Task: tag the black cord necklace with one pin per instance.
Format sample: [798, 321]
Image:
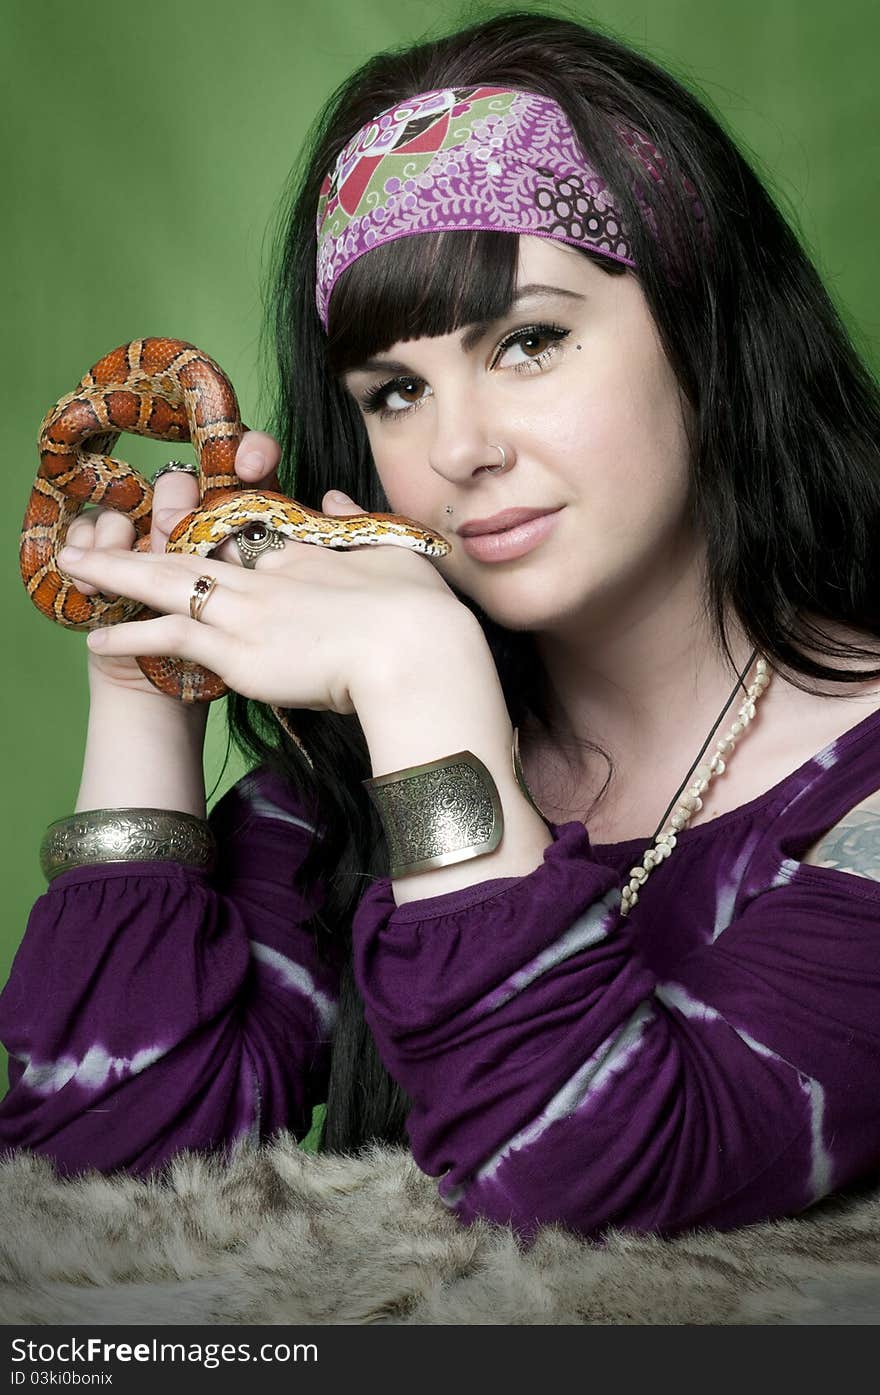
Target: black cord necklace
[740, 683]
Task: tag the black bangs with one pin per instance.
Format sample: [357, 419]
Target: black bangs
[418, 287]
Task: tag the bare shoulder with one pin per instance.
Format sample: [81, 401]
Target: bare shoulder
[853, 844]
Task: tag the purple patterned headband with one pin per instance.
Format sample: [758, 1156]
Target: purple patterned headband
[475, 157]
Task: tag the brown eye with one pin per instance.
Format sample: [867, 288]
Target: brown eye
[396, 398]
[404, 388]
[533, 344]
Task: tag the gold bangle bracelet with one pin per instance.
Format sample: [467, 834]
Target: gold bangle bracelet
[98, 836]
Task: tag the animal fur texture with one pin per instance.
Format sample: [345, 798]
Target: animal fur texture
[276, 1235]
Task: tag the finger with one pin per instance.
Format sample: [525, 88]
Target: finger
[175, 495]
[228, 552]
[174, 635]
[100, 528]
[164, 582]
[81, 533]
[257, 458]
[338, 504]
[113, 529]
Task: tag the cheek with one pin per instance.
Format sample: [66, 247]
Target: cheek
[622, 437]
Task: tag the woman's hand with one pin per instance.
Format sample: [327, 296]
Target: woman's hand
[297, 631]
[175, 495]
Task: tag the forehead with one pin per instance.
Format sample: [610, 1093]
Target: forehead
[428, 285]
[540, 259]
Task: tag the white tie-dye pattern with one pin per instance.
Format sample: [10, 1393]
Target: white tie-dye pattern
[267, 810]
[784, 873]
[829, 756]
[588, 930]
[729, 886]
[252, 1130]
[609, 1059]
[92, 1072]
[293, 975]
[821, 1164]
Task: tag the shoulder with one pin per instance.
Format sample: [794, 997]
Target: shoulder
[853, 844]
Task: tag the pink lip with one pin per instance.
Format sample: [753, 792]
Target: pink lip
[512, 543]
[500, 522]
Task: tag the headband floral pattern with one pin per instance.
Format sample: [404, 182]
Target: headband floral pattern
[462, 158]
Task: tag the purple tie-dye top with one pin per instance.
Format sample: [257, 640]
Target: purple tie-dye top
[713, 1059]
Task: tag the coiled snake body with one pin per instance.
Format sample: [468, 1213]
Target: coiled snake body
[171, 391]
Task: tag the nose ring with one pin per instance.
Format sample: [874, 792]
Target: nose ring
[493, 469]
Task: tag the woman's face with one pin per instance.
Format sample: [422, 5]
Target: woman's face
[574, 385]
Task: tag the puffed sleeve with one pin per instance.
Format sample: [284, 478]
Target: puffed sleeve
[555, 1079]
[152, 1007]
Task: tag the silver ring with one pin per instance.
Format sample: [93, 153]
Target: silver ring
[183, 465]
[494, 469]
[255, 539]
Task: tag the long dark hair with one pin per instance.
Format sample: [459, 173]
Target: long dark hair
[784, 454]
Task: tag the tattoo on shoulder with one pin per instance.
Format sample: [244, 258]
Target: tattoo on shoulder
[852, 845]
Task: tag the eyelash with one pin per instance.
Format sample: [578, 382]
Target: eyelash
[374, 399]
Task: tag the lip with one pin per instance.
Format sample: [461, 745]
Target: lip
[500, 522]
[511, 543]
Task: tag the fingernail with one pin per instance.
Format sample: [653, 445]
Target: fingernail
[254, 460]
[337, 497]
[97, 639]
[70, 554]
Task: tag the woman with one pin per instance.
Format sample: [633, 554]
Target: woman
[622, 984]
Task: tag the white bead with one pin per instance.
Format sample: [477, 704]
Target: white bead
[690, 801]
[763, 667]
[725, 746]
[638, 875]
[650, 859]
[678, 820]
[700, 786]
[737, 728]
[717, 765]
[749, 707]
[704, 773]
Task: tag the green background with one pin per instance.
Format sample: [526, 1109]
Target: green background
[146, 148]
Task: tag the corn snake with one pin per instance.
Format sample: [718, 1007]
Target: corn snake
[168, 390]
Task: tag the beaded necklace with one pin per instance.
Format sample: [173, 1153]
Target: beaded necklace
[683, 805]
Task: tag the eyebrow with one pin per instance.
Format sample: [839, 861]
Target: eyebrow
[473, 334]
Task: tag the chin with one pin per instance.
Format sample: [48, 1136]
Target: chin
[526, 612]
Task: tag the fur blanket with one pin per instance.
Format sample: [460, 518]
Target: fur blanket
[276, 1235]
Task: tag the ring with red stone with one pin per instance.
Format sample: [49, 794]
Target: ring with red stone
[202, 588]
